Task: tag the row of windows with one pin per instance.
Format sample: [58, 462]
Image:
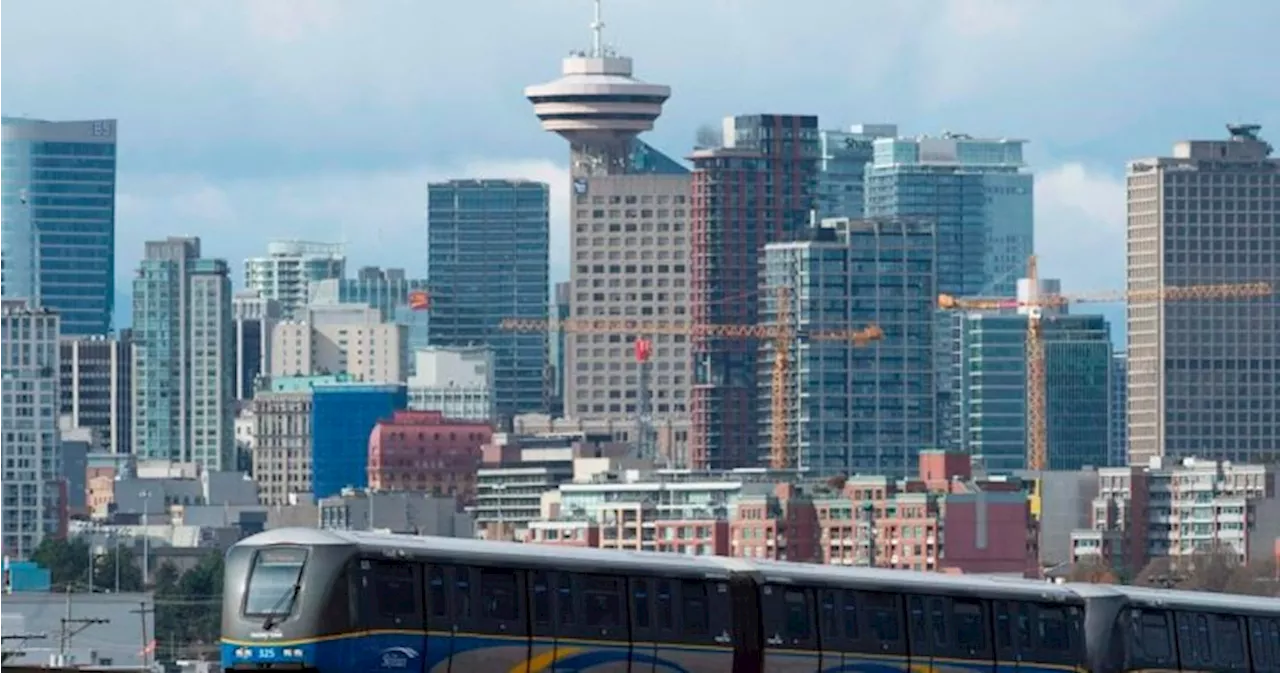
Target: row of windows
[587, 605]
[1203, 641]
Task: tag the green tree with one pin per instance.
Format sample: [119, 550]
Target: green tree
[189, 607]
[119, 563]
[66, 560]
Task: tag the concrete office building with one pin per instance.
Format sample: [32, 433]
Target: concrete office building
[488, 243]
[854, 410]
[340, 338]
[33, 497]
[286, 272]
[629, 237]
[59, 238]
[96, 388]
[183, 383]
[1202, 374]
[457, 382]
[255, 319]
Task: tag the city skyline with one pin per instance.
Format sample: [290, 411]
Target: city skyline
[324, 142]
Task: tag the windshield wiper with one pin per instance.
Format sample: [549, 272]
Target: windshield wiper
[287, 598]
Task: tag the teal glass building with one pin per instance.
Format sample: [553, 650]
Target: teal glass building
[59, 185]
[866, 409]
[992, 391]
[488, 243]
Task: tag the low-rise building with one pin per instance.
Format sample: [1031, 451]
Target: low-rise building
[422, 451]
[457, 382]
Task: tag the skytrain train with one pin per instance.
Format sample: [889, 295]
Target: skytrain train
[326, 601]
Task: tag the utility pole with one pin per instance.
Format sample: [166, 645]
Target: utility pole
[142, 613]
[70, 628]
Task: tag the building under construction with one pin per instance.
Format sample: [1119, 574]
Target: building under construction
[757, 188]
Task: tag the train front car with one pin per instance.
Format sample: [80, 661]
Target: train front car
[286, 602]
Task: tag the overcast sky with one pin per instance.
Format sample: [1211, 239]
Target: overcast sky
[247, 120]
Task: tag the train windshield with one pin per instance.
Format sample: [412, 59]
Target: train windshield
[274, 582]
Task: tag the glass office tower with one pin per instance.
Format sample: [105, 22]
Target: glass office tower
[59, 234]
[488, 243]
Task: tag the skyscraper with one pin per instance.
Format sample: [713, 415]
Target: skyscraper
[285, 274]
[855, 410]
[757, 189]
[59, 219]
[1202, 374]
[842, 168]
[488, 243]
[977, 192]
[184, 377]
[31, 448]
[96, 387]
[629, 238]
[255, 318]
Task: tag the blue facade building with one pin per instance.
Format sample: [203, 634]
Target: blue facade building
[864, 409]
[979, 195]
[992, 390]
[488, 243]
[842, 168]
[59, 231]
[342, 416]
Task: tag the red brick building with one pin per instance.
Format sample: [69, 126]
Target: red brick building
[422, 451]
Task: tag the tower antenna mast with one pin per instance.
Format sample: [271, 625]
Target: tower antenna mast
[597, 34]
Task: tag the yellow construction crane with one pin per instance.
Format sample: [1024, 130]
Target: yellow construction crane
[1035, 305]
[781, 333]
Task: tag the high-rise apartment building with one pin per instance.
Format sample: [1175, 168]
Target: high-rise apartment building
[183, 374]
[855, 410]
[255, 319]
[1202, 374]
[629, 240]
[757, 189]
[285, 274]
[338, 339]
[96, 388]
[488, 243]
[33, 493]
[59, 221]
[842, 167]
[980, 196]
[991, 399]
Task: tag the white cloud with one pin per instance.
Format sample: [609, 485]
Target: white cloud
[1080, 227]
[380, 216]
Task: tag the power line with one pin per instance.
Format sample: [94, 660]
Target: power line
[142, 613]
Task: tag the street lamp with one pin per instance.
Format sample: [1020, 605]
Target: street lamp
[146, 536]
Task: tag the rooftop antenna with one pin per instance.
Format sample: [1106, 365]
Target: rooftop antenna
[597, 34]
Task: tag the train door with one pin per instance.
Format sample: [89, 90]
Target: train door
[542, 626]
[392, 596]
[831, 629]
[644, 630]
[921, 645]
[500, 628]
[1007, 654]
[790, 630]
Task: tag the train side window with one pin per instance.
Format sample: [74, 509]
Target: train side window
[695, 611]
[919, 625]
[1228, 633]
[938, 622]
[1052, 631]
[564, 599]
[462, 594]
[640, 602]
[541, 590]
[829, 618]
[603, 598]
[799, 615]
[969, 621]
[437, 596]
[883, 615]
[849, 615]
[1022, 628]
[1149, 643]
[1265, 638]
[1194, 648]
[666, 609]
[1004, 629]
[499, 593]
[397, 594]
